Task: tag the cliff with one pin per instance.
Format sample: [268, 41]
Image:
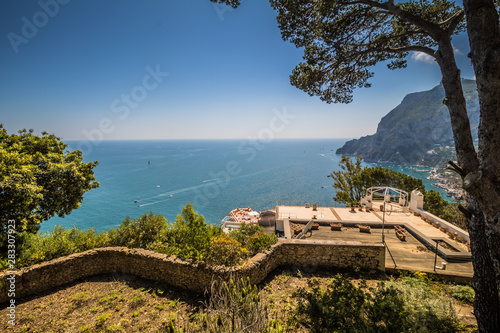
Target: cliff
[417, 131]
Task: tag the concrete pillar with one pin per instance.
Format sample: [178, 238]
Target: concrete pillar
[417, 201]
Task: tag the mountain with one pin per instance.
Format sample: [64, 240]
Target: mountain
[417, 131]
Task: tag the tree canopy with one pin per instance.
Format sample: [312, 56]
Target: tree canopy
[352, 181]
[343, 39]
[39, 179]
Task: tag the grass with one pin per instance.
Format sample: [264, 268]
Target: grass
[103, 304]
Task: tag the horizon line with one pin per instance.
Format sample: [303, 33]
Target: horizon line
[210, 139]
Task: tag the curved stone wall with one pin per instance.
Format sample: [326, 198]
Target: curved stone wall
[187, 274]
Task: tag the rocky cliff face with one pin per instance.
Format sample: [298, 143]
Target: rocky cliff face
[417, 131]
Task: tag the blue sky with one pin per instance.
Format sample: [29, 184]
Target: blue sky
[88, 72]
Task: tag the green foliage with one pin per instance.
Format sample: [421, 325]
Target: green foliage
[342, 40]
[236, 306]
[463, 293]
[352, 181]
[39, 180]
[147, 231]
[190, 236]
[425, 310]
[347, 182]
[341, 307]
[245, 231]
[225, 250]
[260, 241]
[80, 298]
[253, 237]
[435, 204]
[380, 176]
[102, 318]
[232, 3]
[405, 306]
[36, 248]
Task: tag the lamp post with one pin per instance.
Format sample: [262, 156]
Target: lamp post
[383, 225]
[436, 255]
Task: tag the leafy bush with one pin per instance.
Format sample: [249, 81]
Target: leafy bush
[463, 293]
[253, 237]
[426, 310]
[141, 232]
[259, 242]
[245, 231]
[60, 242]
[404, 306]
[225, 250]
[190, 236]
[341, 307]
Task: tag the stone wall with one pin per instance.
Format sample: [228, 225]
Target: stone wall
[186, 274]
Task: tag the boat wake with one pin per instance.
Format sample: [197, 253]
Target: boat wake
[184, 191]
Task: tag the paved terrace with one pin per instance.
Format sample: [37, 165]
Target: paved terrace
[416, 253]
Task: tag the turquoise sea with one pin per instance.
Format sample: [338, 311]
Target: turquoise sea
[215, 175]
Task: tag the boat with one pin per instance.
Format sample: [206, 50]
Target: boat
[238, 216]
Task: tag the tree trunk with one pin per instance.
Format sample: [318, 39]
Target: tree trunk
[486, 302]
[481, 187]
[483, 184]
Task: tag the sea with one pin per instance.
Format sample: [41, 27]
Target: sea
[216, 176]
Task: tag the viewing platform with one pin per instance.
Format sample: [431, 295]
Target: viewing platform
[417, 252]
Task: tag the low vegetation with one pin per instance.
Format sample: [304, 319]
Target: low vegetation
[406, 305]
[189, 237]
[289, 301]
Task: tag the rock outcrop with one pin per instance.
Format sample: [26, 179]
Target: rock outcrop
[417, 131]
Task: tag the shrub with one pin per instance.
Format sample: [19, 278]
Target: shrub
[245, 231]
[189, 237]
[404, 306]
[141, 232]
[225, 250]
[463, 293]
[60, 242]
[259, 242]
[235, 306]
[426, 310]
[340, 307]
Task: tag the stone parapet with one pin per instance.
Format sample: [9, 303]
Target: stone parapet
[188, 274]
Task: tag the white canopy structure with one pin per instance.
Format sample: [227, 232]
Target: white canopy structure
[387, 193]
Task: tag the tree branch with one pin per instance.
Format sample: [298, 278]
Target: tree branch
[452, 22]
[403, 49]
[433, 29]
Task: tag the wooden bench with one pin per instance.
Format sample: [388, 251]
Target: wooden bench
[336, 226]
[364, 228]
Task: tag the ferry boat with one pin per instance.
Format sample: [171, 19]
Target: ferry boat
[238, 216]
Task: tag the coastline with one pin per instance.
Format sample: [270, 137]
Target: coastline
[447, 181]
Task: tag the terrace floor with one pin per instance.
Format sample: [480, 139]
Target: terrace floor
[411, 254]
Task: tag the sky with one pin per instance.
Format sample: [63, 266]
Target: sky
[176, 69]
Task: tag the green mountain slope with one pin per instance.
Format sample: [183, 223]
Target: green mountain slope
[417, 131]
